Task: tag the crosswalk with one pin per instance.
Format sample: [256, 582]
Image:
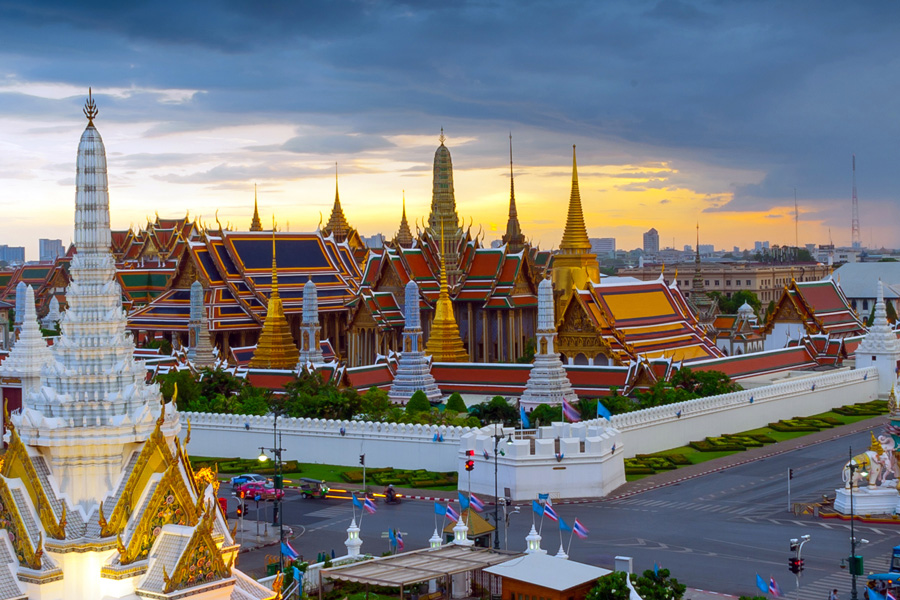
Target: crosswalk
[841, 581]
[722, 508]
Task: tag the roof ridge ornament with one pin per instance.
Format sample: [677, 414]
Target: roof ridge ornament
[442, 139]
[90, 108]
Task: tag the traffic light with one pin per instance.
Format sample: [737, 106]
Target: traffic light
[362, 459]
[279, 482]
[790, 473]
[240, 509]
[794, 565]
[856, 565]
[801, 564]
[470, 464]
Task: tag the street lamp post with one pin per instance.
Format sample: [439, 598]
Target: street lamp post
[797, 545]
[497, 437]
[276, 451]
[855, 562]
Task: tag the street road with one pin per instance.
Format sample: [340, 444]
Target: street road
[714, 532]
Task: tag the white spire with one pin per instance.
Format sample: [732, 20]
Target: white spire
[30, 353]
[310, 303]
[880, 338]
[310, 330]
[52, 319]
[533, 542]
[200, 351]
[20, 303]
[413, 367]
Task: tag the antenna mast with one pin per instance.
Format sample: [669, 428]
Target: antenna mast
[796, 221]
[855, 242]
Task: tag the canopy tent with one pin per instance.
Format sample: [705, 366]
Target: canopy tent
[401, 570]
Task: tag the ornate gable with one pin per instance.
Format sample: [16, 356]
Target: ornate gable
[17, 464]
[28, 554]
[200, 563]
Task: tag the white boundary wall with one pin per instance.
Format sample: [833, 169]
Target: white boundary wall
[398, 445]
[660, 428]
[405, 446]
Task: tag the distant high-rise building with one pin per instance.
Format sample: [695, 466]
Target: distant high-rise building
[760, 246]
[12, 254]
[735, 250]
[49, 250]
[706, 249]
[603, 247]
[651, 242]
[688, 248]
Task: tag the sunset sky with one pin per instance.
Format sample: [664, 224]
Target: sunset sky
[681, 111]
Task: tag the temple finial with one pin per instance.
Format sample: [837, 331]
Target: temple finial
[442, 139]
[337, 197]
[274, 264]
[90, 108]
[255, 224]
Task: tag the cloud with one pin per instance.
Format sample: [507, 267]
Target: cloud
[335, 144]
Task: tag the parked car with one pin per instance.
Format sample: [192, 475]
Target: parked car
[312, 488]
[253, 489]
[238, 480]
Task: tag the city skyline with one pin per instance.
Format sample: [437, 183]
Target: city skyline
[682, 112]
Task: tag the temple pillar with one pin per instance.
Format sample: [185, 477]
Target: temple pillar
[499, 335]
[484, 335]
[470, 330]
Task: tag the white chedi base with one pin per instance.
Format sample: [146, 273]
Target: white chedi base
[883, 500]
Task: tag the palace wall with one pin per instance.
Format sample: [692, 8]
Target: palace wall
[531, 462]
[398, 445]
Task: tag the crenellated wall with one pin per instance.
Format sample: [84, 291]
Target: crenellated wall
[674, 425]
[399, 445]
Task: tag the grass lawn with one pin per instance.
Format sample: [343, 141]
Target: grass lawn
[697, 457]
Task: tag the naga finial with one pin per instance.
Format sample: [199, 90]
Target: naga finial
[90, 108]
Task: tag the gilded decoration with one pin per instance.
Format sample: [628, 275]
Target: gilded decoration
[200, 562]
[170, 504]
[11, 521]
[18, 465]
[578, 335]
[155, 457]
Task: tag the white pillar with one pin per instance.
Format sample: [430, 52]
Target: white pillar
[353, 542]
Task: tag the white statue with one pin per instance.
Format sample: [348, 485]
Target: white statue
[875, 464]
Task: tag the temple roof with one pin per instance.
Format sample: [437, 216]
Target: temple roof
[821, 306]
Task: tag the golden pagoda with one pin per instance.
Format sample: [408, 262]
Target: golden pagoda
[404, 236]
[276, 348]
[574, 266]
[255, 224]
[337, 222]
[444, 343]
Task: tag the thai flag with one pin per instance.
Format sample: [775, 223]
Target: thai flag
[399, 540]
[289, 551]
[486, 455]
[580, 530]
[774, 588]
[889, 596]
[452, 514]
[550, 513]
[369, 506]
[570, 413]
[476, 503]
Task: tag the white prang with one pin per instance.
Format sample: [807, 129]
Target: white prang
[548, 382]
[310, 330]
[20, 304]
[413, 368]
[880, 348]
[93, 401]
[52, 319]
[200, 351]
[30, 353]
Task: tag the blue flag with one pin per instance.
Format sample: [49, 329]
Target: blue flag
[873, 595]
[440, 509]
[536, 507]
[463, 501]
[526, 424]
[761, 584]
[392, 537]
[602, 411]
[356, 501]
[563, 526]
[298, 576]
[656, 569]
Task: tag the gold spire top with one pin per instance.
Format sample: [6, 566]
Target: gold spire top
[275, 348]
[444, 343]
[337, 223]
[90, 109]
[442, 138]
[255, 223]
[513, 238]
[404, 236]
[575, 239]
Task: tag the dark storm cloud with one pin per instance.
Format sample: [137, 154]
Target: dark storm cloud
[786, 89]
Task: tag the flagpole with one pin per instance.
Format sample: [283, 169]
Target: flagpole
[560, 533]
[571, 535]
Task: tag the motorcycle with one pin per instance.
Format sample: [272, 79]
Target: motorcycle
[391, 496]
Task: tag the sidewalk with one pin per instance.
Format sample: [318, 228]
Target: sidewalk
[249, 540]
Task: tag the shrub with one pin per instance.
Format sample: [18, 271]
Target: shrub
[456, 403]
[418, 403]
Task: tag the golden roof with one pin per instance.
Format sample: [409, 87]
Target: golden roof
[476, 523]
[276, 348]
[575, 238]
[444, 343]
[255, 224]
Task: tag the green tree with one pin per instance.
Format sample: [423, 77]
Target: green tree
[545, 414]
[770, 308]
[703, 383]
[730, 306]
[658, 586]
[375, 404]
[891, 312]
[418, 403]
[216, 381]
[528, 355]
[496, 410]
[189, 396]
[610, 587]
[456, 403]
[253, 401]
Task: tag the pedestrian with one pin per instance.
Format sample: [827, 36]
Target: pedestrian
[833, 595]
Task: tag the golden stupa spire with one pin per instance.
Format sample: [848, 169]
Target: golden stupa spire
[404, 235]
[337, 223]
[255, 223]
[444, 343]
[276, 348]
[575, 238]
